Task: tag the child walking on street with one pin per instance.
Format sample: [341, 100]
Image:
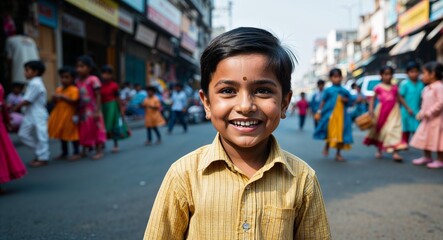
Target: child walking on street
[429, 135]
[335, 125]
[92, 130]
[386, 134]
[34, 129]
[242, 185]
[62, 123]
[116, 128]
[11, 166]
[153, 116]
[302, 106]
[410, 90]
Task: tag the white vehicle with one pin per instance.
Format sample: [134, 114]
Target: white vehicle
[369, 82]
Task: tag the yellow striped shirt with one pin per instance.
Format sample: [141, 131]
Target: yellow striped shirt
[205, 196]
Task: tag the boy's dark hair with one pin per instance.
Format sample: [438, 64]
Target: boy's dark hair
[385, 68]
[320, 82]
[435, 67]
[335, 71]
[248, 40]
[137, 85]
[69, 70]
[107, 69]
[302, 94]
[151, 88]
[17, 85]
[37, 66]
[179, 85]
[412, 66]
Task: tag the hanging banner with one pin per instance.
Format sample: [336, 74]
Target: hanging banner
[414, 18]
[106, 10]
[125, 21]
[165, 15]
[47, 13]
[145, 35]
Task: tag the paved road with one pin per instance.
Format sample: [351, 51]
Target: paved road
[111, 198]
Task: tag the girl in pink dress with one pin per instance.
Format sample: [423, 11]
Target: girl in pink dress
[386, 134]
[92, 130]
[11, 166]
[429, 135]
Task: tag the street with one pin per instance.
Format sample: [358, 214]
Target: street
[111, 198]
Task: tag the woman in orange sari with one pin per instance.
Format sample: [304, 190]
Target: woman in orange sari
[62, 123]
[153, 116]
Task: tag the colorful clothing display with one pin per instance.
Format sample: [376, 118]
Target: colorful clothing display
[387, 132]
[62, 124]
[429, 135]
[11, 166]
[335, 125]
[92, 130]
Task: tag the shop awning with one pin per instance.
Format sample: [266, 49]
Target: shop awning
[189, 59]
[365, 62]
[408, 44]
[435, 32]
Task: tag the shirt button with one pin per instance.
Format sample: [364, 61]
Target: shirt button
[246, 226]
[248, 187]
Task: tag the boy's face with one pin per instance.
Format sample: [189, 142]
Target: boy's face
[66, 79]
[29, 73]
[336, 79]
[413, 74]
[244, 101]
[107, 76]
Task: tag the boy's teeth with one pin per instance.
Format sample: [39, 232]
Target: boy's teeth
[245, 123]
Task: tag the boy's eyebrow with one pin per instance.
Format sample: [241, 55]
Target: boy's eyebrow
[256, 82]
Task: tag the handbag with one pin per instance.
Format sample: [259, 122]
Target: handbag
[364, 121]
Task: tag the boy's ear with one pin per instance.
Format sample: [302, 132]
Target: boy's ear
[285, 102]
[206, 104]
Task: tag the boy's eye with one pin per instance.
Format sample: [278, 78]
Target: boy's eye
[263, 91]
[227, 91]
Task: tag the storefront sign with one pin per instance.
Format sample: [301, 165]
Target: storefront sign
[165, 45]
[165, 15]
[125, 21]
[145, 35]
[377, 30]
[106, 10]
[47, 13]
[73, 25]
[391, 13]
[136, 4]
[436, 10]
[414, 18]
[189, 34]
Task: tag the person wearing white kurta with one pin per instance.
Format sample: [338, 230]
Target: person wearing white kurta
[34, 130]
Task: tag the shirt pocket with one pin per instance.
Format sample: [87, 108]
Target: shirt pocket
[278, 223]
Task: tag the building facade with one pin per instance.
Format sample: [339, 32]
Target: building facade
[149, 42]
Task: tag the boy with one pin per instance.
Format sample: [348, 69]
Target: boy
[410, 90]
[316, 99]
[243, 185]
[34, 131]
[178, 108]
[302, 106]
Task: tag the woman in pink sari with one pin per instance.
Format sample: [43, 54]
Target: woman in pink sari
[386, 134]
[92, 130]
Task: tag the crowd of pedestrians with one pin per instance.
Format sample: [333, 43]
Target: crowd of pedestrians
[87, 109]
[409, 113]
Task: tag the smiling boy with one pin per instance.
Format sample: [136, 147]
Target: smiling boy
[243, 185]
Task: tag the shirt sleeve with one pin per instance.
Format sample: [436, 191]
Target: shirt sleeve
[312, 222]
[32, 92]
[95, 82]
[170, 214]
[403, 89]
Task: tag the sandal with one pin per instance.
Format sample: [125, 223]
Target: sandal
[422, 161]
[325, 152]
[115, 150]
[74, 157]
[38, 163]
[61, 157]
[98, 156]
[339, 158]
[397, 158]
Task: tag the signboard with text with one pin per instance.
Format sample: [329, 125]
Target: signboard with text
[106, 10]
[414, 18]
[165, 15]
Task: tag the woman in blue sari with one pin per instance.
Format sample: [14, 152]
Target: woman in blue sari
[335, 125]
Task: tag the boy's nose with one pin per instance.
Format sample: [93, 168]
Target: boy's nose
[246, 104]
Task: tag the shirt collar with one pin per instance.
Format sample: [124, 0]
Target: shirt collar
[215, 152]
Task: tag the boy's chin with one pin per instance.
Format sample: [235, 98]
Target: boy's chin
[244, 141]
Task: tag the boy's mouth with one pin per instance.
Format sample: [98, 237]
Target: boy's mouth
[245, 123]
